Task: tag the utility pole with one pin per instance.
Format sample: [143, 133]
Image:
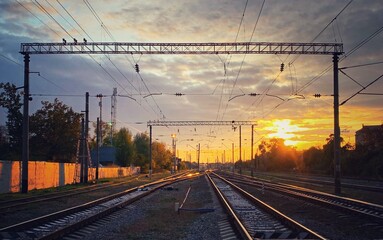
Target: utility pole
[199, 154]
[113, 114]
[150, 151]
[86, 129]
[336, 127]
[252, 150]
[240, 150]
[174, 152]
[100, 105]
[82, 146]
[97, 146]
[25, 138]
[232, 155]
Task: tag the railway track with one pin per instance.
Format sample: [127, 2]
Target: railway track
[352, 206]
[373, 186]
[55, 225]
[255, 219]
[9, 205]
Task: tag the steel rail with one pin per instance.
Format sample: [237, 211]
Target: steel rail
[237, 222]
[362, 208]
[60, 214]
[272, 211]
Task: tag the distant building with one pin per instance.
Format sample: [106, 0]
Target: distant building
[369, 136]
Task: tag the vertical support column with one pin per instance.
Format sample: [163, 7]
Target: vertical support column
[25, 136]
[97, 146]
[199, 154]
[336, 127]
[240, 149]
[82, 146]
[86, 130]
[150, 152]
[252, 151]
[232, 155]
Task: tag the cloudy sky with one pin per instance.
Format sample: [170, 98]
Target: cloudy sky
[215, 87]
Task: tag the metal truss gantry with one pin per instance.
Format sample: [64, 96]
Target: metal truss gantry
[182, 48]
[85, 47]
[199, 123]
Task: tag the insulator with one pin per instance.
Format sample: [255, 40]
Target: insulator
[282, 66]
[137, 68]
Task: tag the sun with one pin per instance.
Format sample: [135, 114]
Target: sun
[283, 129]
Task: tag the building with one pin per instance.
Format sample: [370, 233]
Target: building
[369, 136]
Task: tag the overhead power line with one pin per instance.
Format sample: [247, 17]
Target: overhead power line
[345, 101]
[361, 65]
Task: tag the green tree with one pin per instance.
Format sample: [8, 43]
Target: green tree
[11, 100]
[55, 130]
[141, 145]
[162, 157]
[124, 147]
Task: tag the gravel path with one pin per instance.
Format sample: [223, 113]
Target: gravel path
[154, 217]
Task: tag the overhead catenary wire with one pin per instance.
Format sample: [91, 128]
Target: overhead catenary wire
[41, 21]
[363, 88]
[244, 57]
[361, 65]
[339, 13]
[94, 13]
[355, 48]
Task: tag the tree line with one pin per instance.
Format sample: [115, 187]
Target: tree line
[364, 161]
[55, 131]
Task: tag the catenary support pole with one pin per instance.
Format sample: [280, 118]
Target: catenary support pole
[232, 155]
[97, 146]
[150, 152]
[336, 127]
[82, 145]
[199, 154]
[252, 151]
[240, 149]
[86, 130]
[25, 137]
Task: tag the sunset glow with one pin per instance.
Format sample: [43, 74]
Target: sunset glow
[203, 87]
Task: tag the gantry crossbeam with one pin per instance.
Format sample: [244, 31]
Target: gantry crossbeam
[182, 48]
[199, 123]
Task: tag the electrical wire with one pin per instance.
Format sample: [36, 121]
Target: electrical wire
[11, 60]
[345, 101]
[354, 49]
[41, 8]
[361, 65]
[244, 57]
[341, 11]
[37, 18]
[105, 70]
